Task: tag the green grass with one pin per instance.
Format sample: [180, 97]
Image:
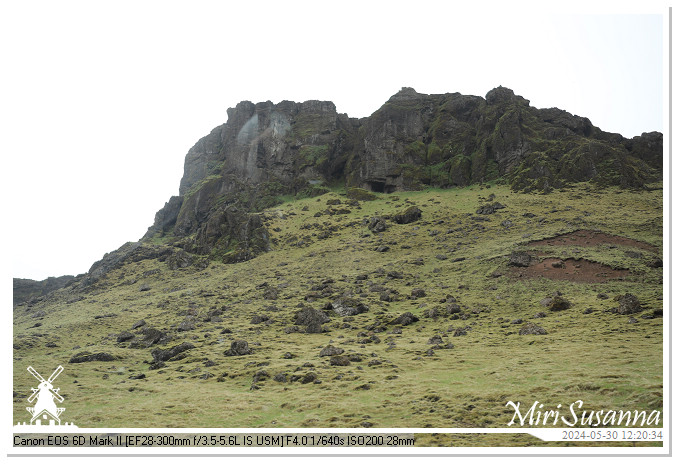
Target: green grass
[599, 357]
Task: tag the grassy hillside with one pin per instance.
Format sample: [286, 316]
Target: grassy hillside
[457, 366]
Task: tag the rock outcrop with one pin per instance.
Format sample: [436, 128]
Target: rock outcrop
[28, 289]
[265, 151]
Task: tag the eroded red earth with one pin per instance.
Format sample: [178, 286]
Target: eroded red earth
[574, 270]
[577, 270]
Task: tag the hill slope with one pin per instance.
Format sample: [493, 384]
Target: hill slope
[473, 274]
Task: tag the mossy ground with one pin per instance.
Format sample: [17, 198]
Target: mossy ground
[599, 358]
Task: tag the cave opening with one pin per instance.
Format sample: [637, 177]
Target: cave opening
[376, 186]
[380, 186]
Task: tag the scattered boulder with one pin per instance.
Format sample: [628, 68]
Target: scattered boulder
[418, 293]
[270, 293]
[340, 361]
[519, 259]
[138, 324]
[331, 351]
[308, 378]
[411, 214]
[435, 340]
[628, 304]
[345, 306]
[280, 377]
[312, 319]
[405, 319]
[186, 325]
[86, 356]
[529, 328]
[165, 355]
[460, 331]
[238, 348]
[431, 312]
[453, 308]
[656, 263]
[559, 303]
[259, 318]
[377, 224]
[124, 336]
[490, 208]
[260, 376]
[149, 337]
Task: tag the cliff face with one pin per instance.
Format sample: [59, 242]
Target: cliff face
[265, 151]
[27, 289]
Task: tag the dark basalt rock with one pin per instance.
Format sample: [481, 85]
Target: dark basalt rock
[149, 336]
[628, 304]
[530, 328]
[312, 318]
[490, 208]
[238, 348]
[124, 336]
[519, 259]
[559, 303]
[405, 319]
[160, 355]
[86, 356]
[411, 214]
[348, 307]
[331, 351]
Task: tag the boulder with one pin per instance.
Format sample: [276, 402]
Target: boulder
[530, 328]
[331, 351]
[238, 348]
[187, 324]
[160, 355]
[490, 208]
[377, 224]
[418, 293]
[411, 214]
[345, 306]
[86, 356]
[148, 337]
[405, 319]
[519, 259]
[628, 304]
[312, 318]
[559, 303]
[124, 336]
[340, 361]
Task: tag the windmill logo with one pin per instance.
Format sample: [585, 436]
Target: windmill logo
[45, 410]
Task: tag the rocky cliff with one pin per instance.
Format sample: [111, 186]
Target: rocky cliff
[266, 151]
[27, 289]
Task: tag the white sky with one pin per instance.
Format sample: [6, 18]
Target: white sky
[100, 101]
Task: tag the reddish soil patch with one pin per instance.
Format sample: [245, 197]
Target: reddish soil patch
[574, 270]
[586, 238]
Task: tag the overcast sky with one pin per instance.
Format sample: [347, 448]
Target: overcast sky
[102, 100]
